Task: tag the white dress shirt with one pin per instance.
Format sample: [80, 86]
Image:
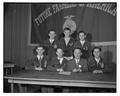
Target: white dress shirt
[60, 60]
[77, 61]
[97, 60]
[82, 42]
[51, 40]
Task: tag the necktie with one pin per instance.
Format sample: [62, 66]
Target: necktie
[40, 62]
[77, 61]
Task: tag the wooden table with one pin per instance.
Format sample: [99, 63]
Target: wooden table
[86, 79]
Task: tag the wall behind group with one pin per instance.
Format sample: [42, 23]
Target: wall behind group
[16, 29]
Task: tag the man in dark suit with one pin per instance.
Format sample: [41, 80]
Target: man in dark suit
[51, 43]
[67, 43]
[58, 63]
[39, 61]
[83, 44]
[96, 63]
[77, 64]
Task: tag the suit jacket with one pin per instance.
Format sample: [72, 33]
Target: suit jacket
[34, 62]
[51, 48]
[72, 65]
[55, 64]
[68, 49]
[93, 64]
[86, 48]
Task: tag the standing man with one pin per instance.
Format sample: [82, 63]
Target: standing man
[84, 45]
[67, 44]
[51, 43]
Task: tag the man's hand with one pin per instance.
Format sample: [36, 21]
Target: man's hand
[77, 70]
[38, 68]
[100, 71]
[60, 70]
[97, 71]
[69, 58]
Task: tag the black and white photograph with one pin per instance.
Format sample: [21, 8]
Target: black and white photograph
[60, 47]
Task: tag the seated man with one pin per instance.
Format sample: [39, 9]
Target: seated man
[77, 64]
[39, 61]
[58, 63]
[96, 63]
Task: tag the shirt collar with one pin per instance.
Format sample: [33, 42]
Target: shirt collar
[77, 59]
[82, 41]
[39, 57]
[97, 59]
[51, 40]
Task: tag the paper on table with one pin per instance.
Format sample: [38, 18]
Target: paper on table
[65, 73]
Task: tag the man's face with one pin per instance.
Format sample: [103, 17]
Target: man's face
[52, 34]
[67, 33]
[59, 53]
[96, 53]
[82, 36]
[40, 50]
[77, 53]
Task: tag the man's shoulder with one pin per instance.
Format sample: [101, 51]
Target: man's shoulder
[46, 57]
[72, 60]
[64, 59]
[34, 57]
[83, 60]
[87, 42]
[47, 40]
[72, 38]
[54, 58]
[77, 42]
[61, 39]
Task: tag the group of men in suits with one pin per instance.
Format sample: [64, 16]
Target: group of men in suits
[67, 54]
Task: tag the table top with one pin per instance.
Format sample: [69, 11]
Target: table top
[74, 77]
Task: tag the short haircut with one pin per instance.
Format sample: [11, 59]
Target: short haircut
[51, 30]
[81, 32]
[66, 28]
[35, 48]
[96, 48]
[59, 48]
[77, 48]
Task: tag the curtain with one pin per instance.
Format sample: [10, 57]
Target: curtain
[98, 20]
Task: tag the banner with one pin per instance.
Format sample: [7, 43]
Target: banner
[98, 20]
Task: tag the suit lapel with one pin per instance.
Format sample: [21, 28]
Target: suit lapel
[98, 64]
[76, 65]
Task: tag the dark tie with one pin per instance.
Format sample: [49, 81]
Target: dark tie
[77, 61]
[40, 62]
